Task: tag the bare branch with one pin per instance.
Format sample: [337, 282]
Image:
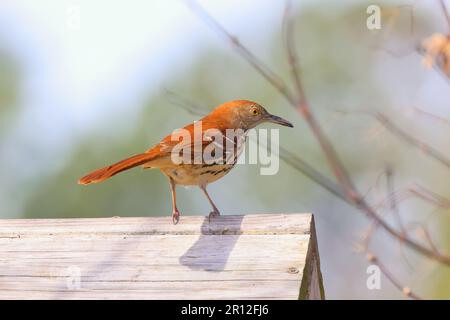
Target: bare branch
[346, 184]
[299, 164]
[186, 104]
[427, 236]
[432, 116]
[263, 69]
[430, 196]
[445, 12]
[405, 136]
[393, 202]
[375, 260]
[289, 42]
[411, 140]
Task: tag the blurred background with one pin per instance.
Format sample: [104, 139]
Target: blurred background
[82, 84]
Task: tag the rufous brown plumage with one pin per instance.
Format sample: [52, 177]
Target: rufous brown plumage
[188, 165]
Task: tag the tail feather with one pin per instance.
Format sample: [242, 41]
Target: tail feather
[107, 172]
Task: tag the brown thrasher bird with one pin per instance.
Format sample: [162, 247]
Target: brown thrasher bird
[209, 161]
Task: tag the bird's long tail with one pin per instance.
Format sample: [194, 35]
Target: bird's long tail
[102, 174]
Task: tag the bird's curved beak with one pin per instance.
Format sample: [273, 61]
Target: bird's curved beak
[278, 120]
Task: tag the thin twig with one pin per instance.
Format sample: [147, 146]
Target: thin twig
[393, 202]
[256, 63]
[365, 242]
[288, 28]
[445, 12]
[424, 147]
[405, 136]
[419, 192]
[376, 260]
[428, 238]
[429, 196]
[432, 116]
[405, 290]
[186, 104]
[440, 200]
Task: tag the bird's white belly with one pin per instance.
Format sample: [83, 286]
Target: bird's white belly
[203, 174]
[197, 174]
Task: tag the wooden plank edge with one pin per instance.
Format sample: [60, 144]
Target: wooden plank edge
[312, 266]
[294, 223]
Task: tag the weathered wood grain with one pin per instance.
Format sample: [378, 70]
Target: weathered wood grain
[232, 257]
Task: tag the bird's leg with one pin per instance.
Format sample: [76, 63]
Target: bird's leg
[215, 211]
[175, 212]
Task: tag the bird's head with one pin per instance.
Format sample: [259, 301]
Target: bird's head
[245, 114]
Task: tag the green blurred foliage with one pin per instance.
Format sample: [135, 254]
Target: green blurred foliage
[9, 89]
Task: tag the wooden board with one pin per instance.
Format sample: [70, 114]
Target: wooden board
[232, 257]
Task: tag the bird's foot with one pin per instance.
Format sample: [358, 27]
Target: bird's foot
[175, 217]
[213, 214]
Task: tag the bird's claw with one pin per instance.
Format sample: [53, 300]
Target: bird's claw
[175, 217]
[213, 214]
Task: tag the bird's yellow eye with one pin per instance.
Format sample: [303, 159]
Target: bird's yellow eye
[254, 111]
